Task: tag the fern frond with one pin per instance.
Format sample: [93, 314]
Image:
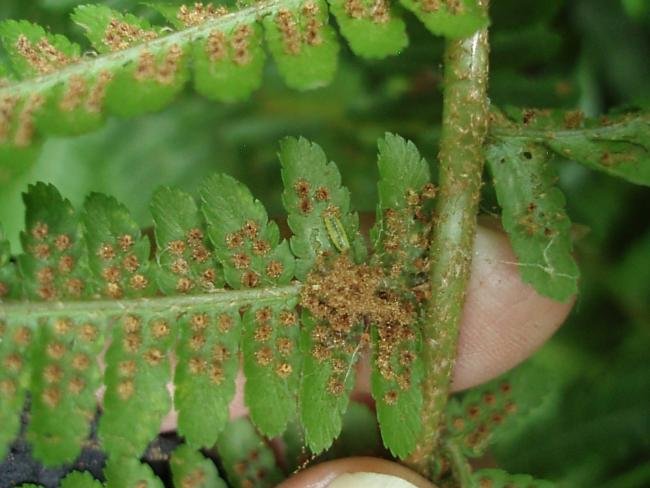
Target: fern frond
[477, 418]
[205, 376]
[91, 280]
[617, 144]
[401, 240]
[534, 217]
[96, 284]
[247, 459]
[272, 364]
[53, 89]
[191, 469]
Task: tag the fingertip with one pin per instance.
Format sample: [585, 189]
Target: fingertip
[363, 472]
[504, 319]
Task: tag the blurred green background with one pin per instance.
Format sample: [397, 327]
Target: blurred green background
[593, 428]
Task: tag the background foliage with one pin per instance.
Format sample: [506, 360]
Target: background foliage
[593, 428]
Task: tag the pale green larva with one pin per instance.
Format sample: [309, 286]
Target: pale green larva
[336, 233]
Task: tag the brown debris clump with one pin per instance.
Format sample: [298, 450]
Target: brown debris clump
[345, 294]
[346, 298]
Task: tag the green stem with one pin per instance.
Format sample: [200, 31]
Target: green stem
[460, 468]
[464, 130]
[168, 304]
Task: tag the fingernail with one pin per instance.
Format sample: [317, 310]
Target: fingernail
[369, 480]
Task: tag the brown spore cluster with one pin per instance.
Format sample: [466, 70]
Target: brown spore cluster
[199, 13]
[378, 11]
[121, 269]
[239, 43]
[7, 106]
[68, 360]
[346, 299]
[143, 344]
[454, 7]
[191, 261]
[163, 72]
[313, 25]
[18, 338]
[56, 263]
[431, 6]
[274, 335]
[74, 94]
[95, 100]
[25, 124]
[42, 56]
[207, 356]
[247, 243]
[250, 470]
[298, 30]
[479, 417]
[218, 47]
[121, 35]
[405, 240]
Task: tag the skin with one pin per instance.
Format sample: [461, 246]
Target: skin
[504, 321]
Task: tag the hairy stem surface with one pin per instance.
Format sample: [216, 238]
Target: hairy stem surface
[461, 158]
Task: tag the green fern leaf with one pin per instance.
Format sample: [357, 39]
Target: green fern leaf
[130, 473]
[80, 479]
[534, 217]
[372, 28]
[136, 377]
[404, 212]
[496, 478]
[154, 79]
[271, 365]
[327, 379]
[16, 339]
[246, 243]
[228, 61]
[479, 416]
[109, 30]
[54, 266]
[449, 18]
[228, 64]
[118, 254]
[185, 258]
[191, 470]
[74, 106]
[65, 377]
[401, 239]
[618, 145]
[33, 52]
[312, 195]
[246, 457]
[396, 376]
[207, 363]
[303, 44]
